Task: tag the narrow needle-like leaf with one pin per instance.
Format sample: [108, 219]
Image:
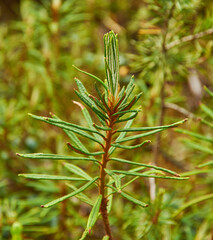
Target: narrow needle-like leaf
[131, 147]
[81, 189]
[148, 175]
[138, 136]
[207, 110]
[128, 118]
[81, 196]
[130, 198]
[152, 128]
[197, 146]
[73, 125]
[121, 135]
[82, 152]
[66, 127]
[205, 164]
[145, 165]
[53, 157]
[196, 135]
[101, 128]
[207, 123]
[76, 170]
[195, 172]
[93, 76]
[192, 202]
[73, 137]
[50, 177]
[208, 91]
[92, 217]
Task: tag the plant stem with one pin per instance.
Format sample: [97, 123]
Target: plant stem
[105, 158]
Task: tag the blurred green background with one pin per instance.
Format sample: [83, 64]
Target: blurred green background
[167, 45]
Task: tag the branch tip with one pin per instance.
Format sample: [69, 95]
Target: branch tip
[79, 104]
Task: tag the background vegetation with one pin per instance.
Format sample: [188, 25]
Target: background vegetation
[167, 45]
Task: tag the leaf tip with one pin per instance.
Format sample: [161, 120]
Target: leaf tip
[185, 120]
[18, 154]
[42, 206]
[79, 104]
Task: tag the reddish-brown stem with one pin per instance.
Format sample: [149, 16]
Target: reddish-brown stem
[105, 158]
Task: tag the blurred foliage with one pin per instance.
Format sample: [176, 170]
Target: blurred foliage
[39, 42]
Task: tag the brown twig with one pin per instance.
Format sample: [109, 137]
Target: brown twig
[189, 38]
[179, 109]
[105, 159]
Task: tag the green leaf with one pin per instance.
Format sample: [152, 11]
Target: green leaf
[91, 105]
[152, 128]
[63, 123]
[122, 176]
[66, 127]
[120, 100]
[130, 85]
[78, 150]
[129, 118]
[98, 91]
[207, 123]
[101, 128]
[205, 164]
[81, 189]
[147, 175]
[192, 202]
[111, 53]
[92, 217]
[131, 103]
[195, 172]
[121, 94]
[49, 177]
[208, 91]
[135, 201]
[138, 136]
[131, 147]
[93, 76]
[98, 103]
[129, 90]
[129, 182]
[196, 135]
[88, 120]
[116, 178]
[81, 196]
[197, 146]
[109, 196]
[121, 135]
[123, 112]
[53, 157]
[207, 110]
[73, 137]
[83, 95]
[76, 170]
